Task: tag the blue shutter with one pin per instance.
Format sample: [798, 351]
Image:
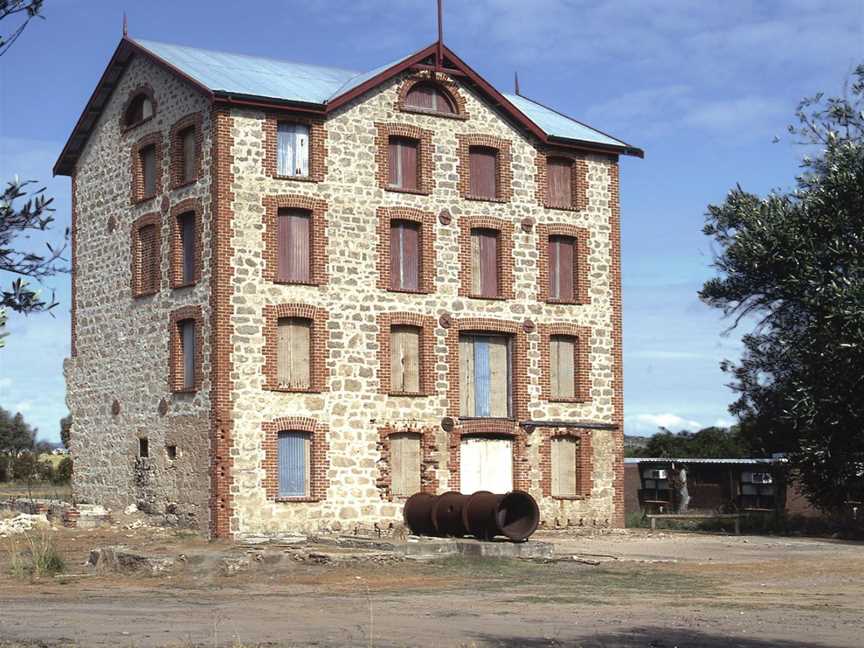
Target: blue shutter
[292, 464]
[482, 378]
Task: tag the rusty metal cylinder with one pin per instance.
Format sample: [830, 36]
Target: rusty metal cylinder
[482, 515]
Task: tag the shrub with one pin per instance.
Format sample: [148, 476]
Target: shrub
[23, 466]
[45, 470]
[38, 557]
[4, 468]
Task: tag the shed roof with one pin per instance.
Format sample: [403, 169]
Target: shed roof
[638, 460]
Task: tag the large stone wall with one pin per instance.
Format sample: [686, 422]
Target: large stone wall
[351, 405]
[118, 377]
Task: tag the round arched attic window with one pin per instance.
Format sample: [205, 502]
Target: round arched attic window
[140, 108]
[430, 97]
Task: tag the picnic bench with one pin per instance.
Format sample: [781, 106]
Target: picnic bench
[696, 516]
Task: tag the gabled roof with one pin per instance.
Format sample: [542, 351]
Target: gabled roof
[265, 82]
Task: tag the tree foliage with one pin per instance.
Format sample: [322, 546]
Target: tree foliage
[709, 443]
[794, 261]
[28, 9]
[16, 435]
[66, 430]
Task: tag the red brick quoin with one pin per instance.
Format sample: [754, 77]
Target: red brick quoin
[584, 461]
[428, 463]
[319, 453]
[318, 371]
[581, 267]
[318, 251]
[427, 351]
[428, 262]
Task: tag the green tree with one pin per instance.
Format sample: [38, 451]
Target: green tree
[709, 443]
[794, 262]
[16, 435]
[66, 430]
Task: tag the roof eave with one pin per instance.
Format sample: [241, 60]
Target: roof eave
[256, 101]
[597, 147]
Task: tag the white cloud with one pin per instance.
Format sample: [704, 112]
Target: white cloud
[649, 423]
[658, 354]
[5, 382]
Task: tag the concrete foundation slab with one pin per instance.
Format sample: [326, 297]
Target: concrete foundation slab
[426, 548]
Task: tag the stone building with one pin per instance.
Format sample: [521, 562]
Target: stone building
[301, 294]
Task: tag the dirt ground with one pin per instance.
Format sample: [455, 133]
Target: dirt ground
[652, 590]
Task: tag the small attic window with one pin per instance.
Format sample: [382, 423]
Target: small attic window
[139, 110]
[430, 97]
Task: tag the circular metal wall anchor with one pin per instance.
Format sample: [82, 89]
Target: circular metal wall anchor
[445, 320]
[163, 407]
[115, 407]
[444, 217]
[527, 224]
[528, 326]
[447, 423]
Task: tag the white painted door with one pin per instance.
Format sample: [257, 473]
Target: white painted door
[486, 464]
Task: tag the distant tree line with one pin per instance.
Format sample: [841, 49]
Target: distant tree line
[20, 453]
[709, 443]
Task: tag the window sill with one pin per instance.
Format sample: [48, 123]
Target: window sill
[416, 192]
[291, 390]
[563, 302]
[130, 127]
[574, 401]
[181, 286]
[191, 390]
[305, 178]
[484, 199]
[408, 291]
[563, 207]
[139, 200]
[488, 298]
[140, 295]
[408, 394]
[313, 284]
[298, 500]
[183, 185]
[570, 498]
[433, 113]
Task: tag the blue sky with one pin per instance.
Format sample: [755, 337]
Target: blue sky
[702, 87]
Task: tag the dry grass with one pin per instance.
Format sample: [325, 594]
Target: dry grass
[34, 555]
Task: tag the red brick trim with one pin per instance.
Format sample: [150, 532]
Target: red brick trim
[428, 462]
[519, 360]
[444, 84]
[583, 362]
[581, 266]
[222, 520]
[317, 146]
[428, 256]
[617, 348]
[193, 120]
[175, 355]
[319, 452]
[426, 181]
[579, 179]
[505, 174]
[493, 428]
[317, 253]
[137, 185]
[175, 273]
[141, 89]
[319, 374]
[426, 324]
[505, 254]
[155, 266]
[584, 461]
[73, 314]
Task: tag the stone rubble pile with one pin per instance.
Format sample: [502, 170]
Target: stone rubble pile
[22, 523]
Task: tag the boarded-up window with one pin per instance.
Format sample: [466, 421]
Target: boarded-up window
[188, 151]
[292, 149]
[559, 175]
[148, 259]
[188, 343]
[402, 162]
[484, 262]
[186, 227]
[404, 464]
[405, 359]
[148, 170]
[483, 172]
[485, 464]
[562, 366]
[294, 457]
[426, 96]
[293, 244]
[564, 452]
[404, 255]
[293, 349]
[484, 375]
[562, 253]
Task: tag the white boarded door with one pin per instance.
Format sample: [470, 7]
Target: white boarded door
[486, 464]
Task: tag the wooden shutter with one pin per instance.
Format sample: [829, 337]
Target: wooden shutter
[405, 359]
[559, 176]
[421, 96]
[294, 464]
[562, 252]
[394, 161]
[285, 157]
[190, 161]
[499, 377]
[402, 162]
[148, 259]
[187, 345]
[485, 464]
[484, 262]
[467, 401]
[404, 464]
[484, 375]
[293, 348]
[146, 109]
[187, 242]
[293, 242]
[564, 451]
[404, 255]
[148, 170]
[562, 366]
[483, 172]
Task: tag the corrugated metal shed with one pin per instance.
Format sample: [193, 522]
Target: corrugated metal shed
[638, 460]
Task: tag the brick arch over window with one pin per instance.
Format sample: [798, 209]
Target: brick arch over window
[504, 173]
[194, 120]
[579, 180]
[492, 429]
[190, 205]
[318, 235]
[582, 334]
[428, 459]
[519, 368]
[320, 450]
[584, 460]
[581, 266]
[446, 86]
[137, 184]
[425, 158]
[319, 374]
[426, 325]
[140, 91]
[428, 261]
[505, 254]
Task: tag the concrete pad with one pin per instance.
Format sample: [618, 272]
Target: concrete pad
[430, 548]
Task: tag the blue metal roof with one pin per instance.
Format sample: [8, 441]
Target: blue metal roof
[555, 124]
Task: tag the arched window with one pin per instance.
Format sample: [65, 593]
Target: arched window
[139, 109]
[430, 97]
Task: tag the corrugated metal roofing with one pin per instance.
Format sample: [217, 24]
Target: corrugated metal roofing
[637, 460]
[555, 124]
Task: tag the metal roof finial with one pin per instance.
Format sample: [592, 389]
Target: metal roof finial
[439, 57]
[125, 25]
[516, 82]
